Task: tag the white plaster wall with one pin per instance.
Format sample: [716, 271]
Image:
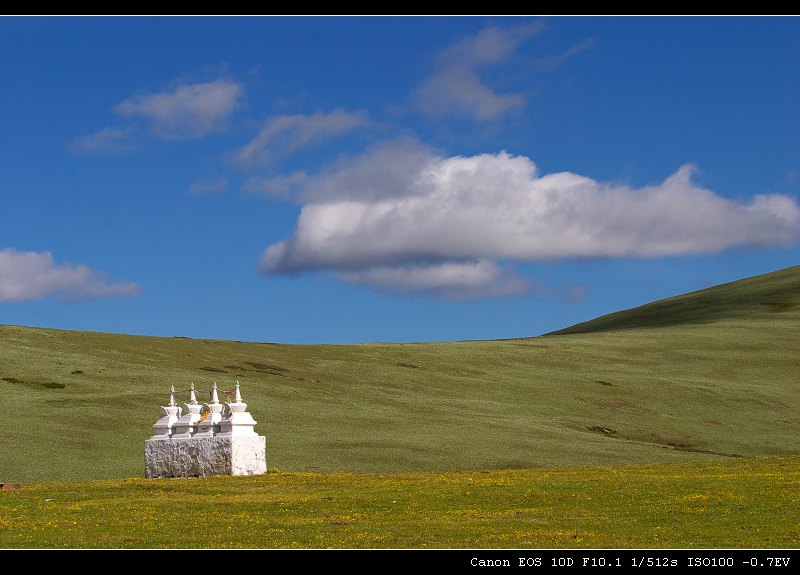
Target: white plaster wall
[248, 455]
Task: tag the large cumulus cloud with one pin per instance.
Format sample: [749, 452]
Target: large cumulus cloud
[405, 219]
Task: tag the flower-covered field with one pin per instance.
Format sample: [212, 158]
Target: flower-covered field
[752, 503]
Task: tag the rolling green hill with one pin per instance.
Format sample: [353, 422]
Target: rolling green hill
[756, 298]
[710, 375]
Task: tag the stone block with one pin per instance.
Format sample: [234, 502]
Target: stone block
[205, 456]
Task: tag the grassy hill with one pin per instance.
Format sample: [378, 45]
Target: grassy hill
[752, 299]
[711, 375]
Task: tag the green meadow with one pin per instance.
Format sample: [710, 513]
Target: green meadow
[706, 376]
[683, 415]
[747, 503]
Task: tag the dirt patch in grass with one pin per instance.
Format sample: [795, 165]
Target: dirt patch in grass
[607, 431]
[35, 384]
[780, 307]
[213, 369]
[267, 367]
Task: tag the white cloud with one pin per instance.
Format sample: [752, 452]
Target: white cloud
[381, 173]
[553, 62]
[208, 187]
[451, 280]
[291, 133]
[459, 91]
[285, 186]
[188, 111]
[456, 88]
[34, 275]
[442, 222]
[107, 140]
[491, 45]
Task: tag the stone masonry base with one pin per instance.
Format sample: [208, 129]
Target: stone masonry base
[204, 456]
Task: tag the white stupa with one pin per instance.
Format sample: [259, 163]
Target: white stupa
[165, 425]
[206, 439]
[185, 426]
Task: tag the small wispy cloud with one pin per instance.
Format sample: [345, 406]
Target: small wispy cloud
[201, 187]
[449, 280]
[105, 141]
[283, 186]
[35, 275]
[456, 88]
[285, 135]
[188, 111]
[553, 62]
[382, 172]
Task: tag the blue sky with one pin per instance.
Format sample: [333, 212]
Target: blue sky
[340, 180]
